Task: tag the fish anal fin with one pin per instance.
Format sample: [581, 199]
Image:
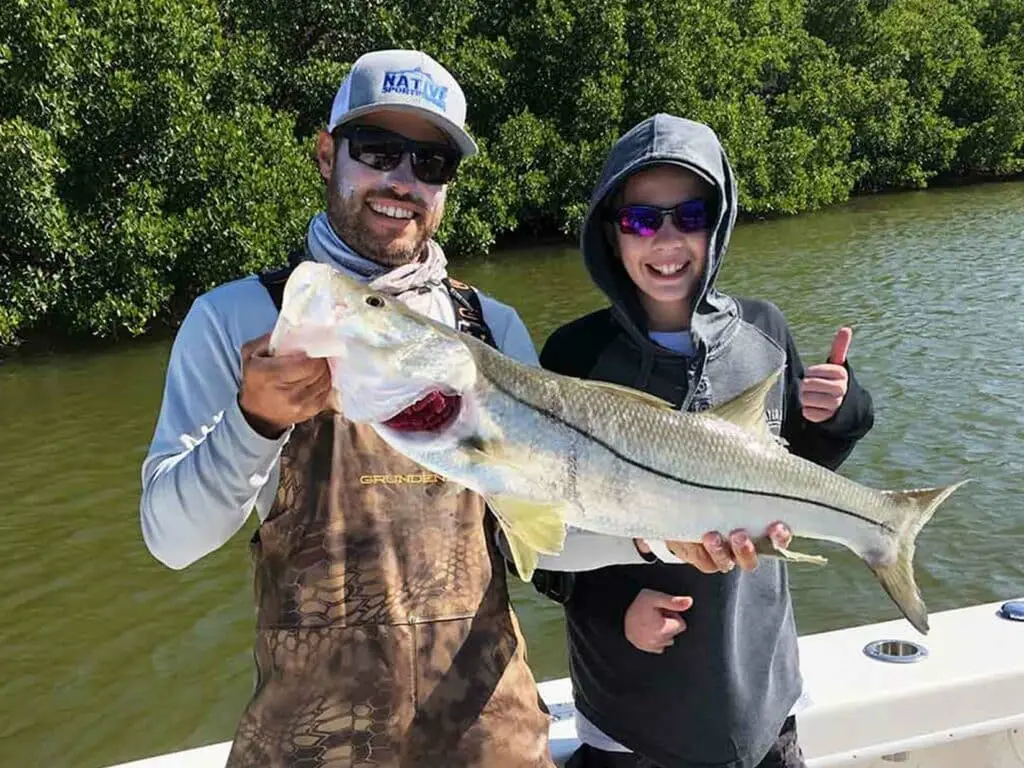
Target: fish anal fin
[765, 546]
[530, 527]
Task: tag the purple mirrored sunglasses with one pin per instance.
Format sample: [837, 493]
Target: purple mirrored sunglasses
[646, 220]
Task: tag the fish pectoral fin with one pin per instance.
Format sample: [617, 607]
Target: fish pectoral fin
[747, 409]
[765, 546]
[530, 527]
[634, 394]
[480, 450]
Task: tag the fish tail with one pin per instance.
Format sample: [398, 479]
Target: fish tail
[913, 509]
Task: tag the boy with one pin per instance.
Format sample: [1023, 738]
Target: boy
[720, 688]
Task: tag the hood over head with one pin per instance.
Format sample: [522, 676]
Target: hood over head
[663, 139]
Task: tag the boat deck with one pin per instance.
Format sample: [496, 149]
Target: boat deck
[960, 702]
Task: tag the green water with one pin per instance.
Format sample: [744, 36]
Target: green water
[107, 656]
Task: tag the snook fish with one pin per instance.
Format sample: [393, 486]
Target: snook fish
[547, 451]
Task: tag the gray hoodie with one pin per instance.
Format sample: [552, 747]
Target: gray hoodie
[720, 695]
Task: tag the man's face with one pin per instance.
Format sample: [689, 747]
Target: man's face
[668, 266]
[385, 216]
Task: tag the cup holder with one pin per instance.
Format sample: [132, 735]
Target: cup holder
[895, 651]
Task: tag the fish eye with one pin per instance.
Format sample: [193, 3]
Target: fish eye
[375, 301]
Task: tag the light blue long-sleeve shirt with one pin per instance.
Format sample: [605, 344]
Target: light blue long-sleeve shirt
[207, 469]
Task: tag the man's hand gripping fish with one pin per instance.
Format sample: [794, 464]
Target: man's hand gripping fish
[547, 451]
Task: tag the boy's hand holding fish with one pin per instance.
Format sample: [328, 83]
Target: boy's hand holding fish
[280, 390]
[718, 554]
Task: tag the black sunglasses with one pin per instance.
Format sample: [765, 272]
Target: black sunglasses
[383, 150]
[646, 220]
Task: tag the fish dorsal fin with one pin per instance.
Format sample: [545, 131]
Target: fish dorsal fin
[629, 392]
[747, 409]
[530, 527]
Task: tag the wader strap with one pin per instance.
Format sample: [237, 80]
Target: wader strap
[274, 280]
[469, 315]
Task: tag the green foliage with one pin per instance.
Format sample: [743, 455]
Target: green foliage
[139, 163]
[151, 149]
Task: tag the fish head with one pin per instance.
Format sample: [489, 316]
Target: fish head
[384, 357]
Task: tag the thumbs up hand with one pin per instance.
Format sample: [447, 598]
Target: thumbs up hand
[824, 385]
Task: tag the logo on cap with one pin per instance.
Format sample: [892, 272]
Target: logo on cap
[415, 82]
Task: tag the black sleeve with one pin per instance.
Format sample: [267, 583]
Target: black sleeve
[829, 442]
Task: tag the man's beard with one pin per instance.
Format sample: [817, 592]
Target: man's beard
[344, 213]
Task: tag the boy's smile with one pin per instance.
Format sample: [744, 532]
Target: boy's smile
[668, 271]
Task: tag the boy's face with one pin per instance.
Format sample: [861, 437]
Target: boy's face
[668, 266]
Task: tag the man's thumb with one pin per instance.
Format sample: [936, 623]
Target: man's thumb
[258, 346]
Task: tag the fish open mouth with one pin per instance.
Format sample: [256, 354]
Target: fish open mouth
[432, 412]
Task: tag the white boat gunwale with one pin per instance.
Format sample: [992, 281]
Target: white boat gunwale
[964, 695]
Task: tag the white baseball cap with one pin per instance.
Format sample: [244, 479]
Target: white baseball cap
[405, 80]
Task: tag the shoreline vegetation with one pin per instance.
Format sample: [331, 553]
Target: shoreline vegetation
[152, 149]
[41, 344]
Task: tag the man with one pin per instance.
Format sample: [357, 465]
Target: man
[384, 631]
[720, 687]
